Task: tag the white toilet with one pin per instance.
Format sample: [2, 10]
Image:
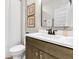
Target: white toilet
[17, 51]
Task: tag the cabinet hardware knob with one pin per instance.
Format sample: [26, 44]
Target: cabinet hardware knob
[36, 53]
[40, 56]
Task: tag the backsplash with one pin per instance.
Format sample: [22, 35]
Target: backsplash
[58, 32]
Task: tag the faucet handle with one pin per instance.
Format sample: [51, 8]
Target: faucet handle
[54, 32]
[49, 31]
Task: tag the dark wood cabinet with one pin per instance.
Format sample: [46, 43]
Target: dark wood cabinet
[29, 52]
[35, 53]
[32, 53]
[37, 49]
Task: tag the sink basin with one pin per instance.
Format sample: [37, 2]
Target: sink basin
[49, 36]
[52, 36]
[57, 37]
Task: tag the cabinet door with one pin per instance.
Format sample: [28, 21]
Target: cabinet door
[46, 56]
[32, 53]
[29, 52]
[35, 53]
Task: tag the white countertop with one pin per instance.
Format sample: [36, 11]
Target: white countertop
[56, 39]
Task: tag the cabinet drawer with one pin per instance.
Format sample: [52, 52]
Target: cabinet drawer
[52, 49]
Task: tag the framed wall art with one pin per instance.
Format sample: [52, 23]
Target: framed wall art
[31, 9]
[31, 21]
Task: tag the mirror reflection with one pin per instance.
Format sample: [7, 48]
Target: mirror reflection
[56, 13]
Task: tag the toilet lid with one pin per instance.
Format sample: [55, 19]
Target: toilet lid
[17, 48]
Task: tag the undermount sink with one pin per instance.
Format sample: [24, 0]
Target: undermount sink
[49, 36]
[52, 36]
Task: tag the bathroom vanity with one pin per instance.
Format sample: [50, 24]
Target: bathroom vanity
[40, 47]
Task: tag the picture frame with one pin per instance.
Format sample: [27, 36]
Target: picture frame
[31, 9]
[31, 21]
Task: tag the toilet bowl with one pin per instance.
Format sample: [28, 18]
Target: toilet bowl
[17, 51]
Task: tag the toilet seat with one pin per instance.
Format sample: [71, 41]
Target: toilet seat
[17, 48]
[17, 51]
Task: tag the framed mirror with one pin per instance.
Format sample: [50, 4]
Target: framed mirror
[55, 13]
